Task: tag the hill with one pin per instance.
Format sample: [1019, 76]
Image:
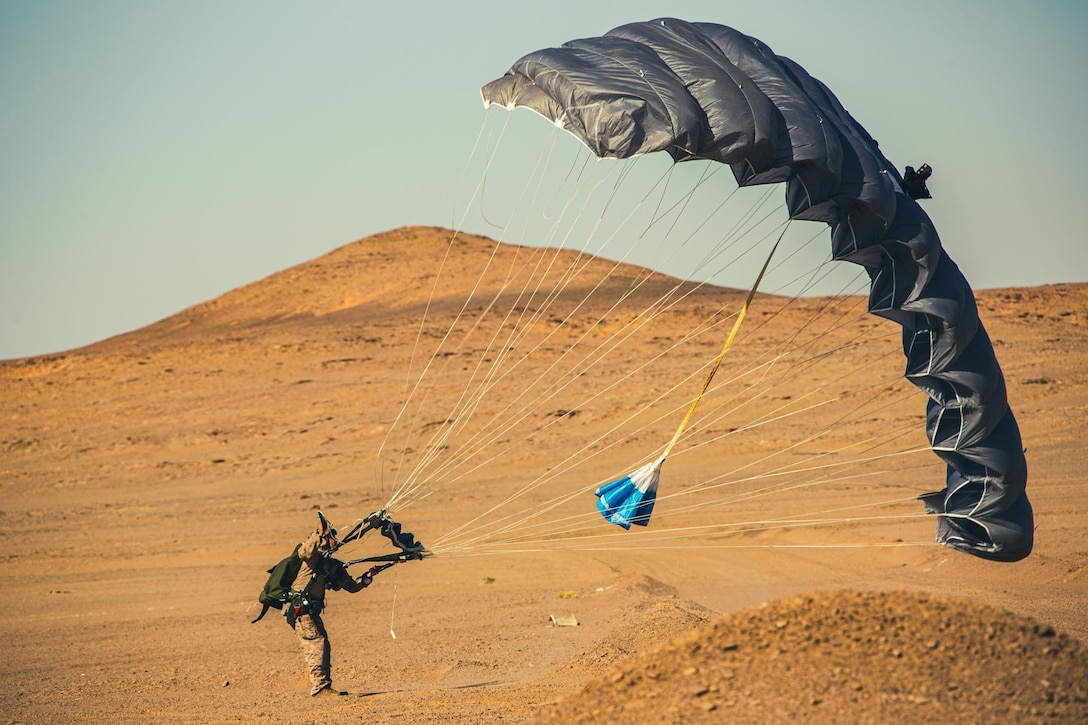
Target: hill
[149, 480]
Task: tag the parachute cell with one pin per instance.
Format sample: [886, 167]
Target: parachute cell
[707, 91]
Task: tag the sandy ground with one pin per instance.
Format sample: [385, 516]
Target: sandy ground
[149, 480]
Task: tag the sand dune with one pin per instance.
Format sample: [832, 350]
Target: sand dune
[150, 479]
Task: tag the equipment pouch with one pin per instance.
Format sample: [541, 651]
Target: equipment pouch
[300, 606]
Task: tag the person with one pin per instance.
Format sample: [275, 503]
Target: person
[318, 571]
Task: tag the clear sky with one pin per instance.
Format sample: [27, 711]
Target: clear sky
[154, 155]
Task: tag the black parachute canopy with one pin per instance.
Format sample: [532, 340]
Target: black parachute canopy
[707, 91]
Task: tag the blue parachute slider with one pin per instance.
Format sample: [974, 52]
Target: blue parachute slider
[630, 500]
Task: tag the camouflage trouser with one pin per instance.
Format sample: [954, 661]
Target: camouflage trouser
[315, 650]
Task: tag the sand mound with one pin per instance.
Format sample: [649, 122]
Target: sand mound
[848, 657]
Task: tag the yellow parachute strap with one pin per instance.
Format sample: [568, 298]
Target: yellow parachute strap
[721, 355]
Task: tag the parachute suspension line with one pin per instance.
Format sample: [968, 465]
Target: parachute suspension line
[725, 348]
[616, 304]
[582, 532]
[482, 196]
[626, 166]
[651, 308]
[555, 471]
[456, 223]
[393, 608]
[801, 363]
[582, 160]
[802, 467]
[843, 419]
[553, 531]
[658, 218]
[379, 458]
[453, 325]
[687, 547]
[652, 536]
[553, 534]
[705, 176]
[544, 478]
[730, 474]
[484, 356]
[736, 233]
[429, 365]
[580, 492]
[620, 425]
[507, 347]
[731, 480]
[501, 355]
[701, 533]
[588, 445]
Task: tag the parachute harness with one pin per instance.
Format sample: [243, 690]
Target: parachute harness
[409, 549]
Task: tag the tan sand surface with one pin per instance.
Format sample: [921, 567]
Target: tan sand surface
[149, 480]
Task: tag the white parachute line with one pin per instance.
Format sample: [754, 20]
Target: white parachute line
[734, 235]
[804, 466]
[519, 528]
[767, 419]
[655, 221]
[870, 545]
[853, 463]
[633, 415]
[538, 511]
[557, 470]
[842, 420]
[449, 332]
[540, 312]
[524, 415]
[379, 457]
[414, 476]
[602, 391]
[574, 455]
[458, 409]
[419, 381]
[682, 201]
[790, 469]
[622, 424]
[752, 395]
[453, 325]
[660, 301]
[568, 317]
[593, 519]
[642, 281]
[648, 538]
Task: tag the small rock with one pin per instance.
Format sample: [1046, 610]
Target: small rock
[1044, 630]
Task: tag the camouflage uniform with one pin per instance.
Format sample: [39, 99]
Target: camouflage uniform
[310, 629]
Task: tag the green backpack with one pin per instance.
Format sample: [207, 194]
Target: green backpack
[277, 590]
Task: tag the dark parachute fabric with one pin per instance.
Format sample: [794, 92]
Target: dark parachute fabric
[706, 91]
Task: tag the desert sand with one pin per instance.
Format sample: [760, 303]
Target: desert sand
[149, 480]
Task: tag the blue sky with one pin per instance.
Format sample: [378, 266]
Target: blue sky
[154, 155]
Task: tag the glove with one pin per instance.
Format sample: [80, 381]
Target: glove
[368, 578]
